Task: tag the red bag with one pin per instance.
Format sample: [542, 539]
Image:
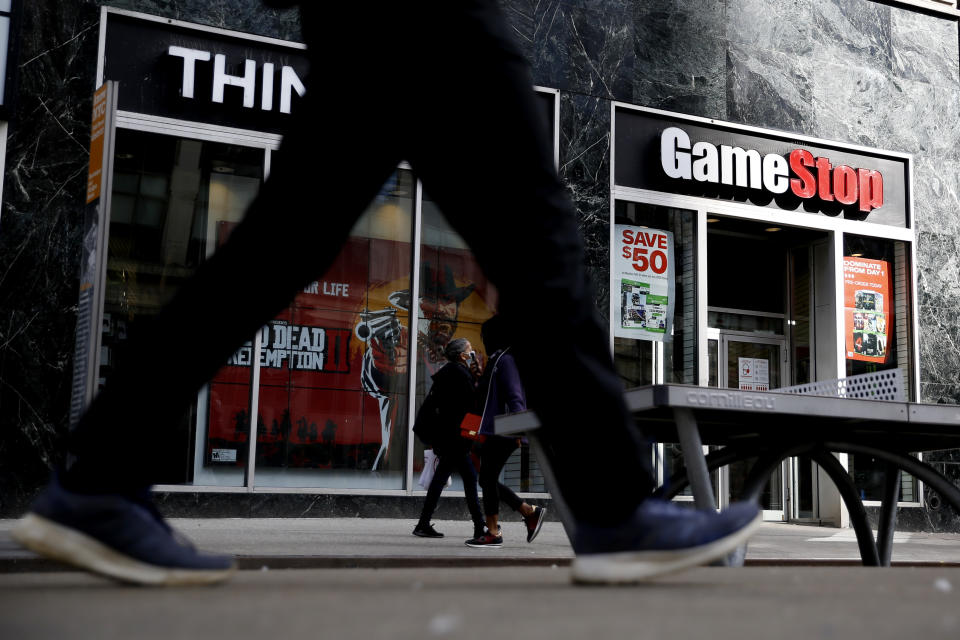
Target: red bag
[470, 427]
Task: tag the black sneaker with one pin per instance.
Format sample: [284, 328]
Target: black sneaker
[484, 541]
[660, 538]
[534, 521]
[426, 531]
[479, 531]
[121, 537]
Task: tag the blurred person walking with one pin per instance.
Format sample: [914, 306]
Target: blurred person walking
[443, 86]
[450, 398]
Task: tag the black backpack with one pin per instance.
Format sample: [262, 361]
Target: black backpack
[427, 425]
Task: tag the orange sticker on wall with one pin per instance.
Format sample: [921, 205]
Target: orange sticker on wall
[97, 131]
[867, 285]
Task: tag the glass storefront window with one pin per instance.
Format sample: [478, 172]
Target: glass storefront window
[642, 362]
[455, 299]
[745, 322]
[634, 359]
[173, 199]
[333, 398]
[877, 323]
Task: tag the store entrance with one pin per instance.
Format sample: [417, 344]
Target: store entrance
[752, 363]
[761, 293]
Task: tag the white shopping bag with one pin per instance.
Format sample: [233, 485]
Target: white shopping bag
[430, 462]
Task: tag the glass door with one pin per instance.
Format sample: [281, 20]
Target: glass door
[751, 363]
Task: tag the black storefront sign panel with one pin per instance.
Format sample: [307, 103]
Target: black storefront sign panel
[176, 71]
[672, 154]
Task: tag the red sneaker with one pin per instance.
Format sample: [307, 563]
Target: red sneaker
[534, 521]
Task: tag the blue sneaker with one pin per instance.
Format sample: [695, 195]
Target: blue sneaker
[116, 536]
[662, 537]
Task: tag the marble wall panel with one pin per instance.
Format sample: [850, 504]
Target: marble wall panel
[769, 89]
[856, 32]
[940, 345]
[868, 107]
[596, 46]
[936, 194]
[783, 26]
[46, 166]
[585, 168]
[852, 105]
[937, 393]
[680, 53]
[250, 16]
[924, 48]
[938, 270]
[578, 46]
[536, 25]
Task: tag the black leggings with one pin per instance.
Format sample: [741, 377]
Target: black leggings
[493, 455]
[463, 465]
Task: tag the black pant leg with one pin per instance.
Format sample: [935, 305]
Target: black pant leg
[445, 467]
[494, 453]
[469, 475]
[485, 158]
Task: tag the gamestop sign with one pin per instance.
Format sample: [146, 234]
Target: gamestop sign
[799, 172]
[721, 161]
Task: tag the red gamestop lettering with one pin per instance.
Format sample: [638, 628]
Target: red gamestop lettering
[644, 250]
[737, 167]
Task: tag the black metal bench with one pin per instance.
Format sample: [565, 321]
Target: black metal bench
[772, 426]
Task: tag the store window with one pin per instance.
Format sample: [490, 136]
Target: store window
[634, 358]
[670, 357]
[455, 299]
[877, 326]
[332, 408]
[172, 200]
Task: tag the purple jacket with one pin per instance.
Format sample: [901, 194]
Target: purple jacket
[500, 390]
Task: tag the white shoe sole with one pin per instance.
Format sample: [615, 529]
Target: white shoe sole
[626, 567]
[58, 542]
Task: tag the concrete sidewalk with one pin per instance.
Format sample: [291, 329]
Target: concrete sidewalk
[306, 543]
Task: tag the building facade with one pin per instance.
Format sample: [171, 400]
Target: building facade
[768, 193]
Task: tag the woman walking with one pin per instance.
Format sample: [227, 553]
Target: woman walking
[499, 392]
[438, 425]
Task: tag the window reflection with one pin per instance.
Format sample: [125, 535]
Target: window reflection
[174, 201]
[335, 365]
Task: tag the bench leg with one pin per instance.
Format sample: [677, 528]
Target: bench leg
[923, 471]
[699, 475]
[858, 515]
[693, 459]
[888, 514]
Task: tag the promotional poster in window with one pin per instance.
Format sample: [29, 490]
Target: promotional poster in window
[642, 268]
[334, 366]
[867, 287]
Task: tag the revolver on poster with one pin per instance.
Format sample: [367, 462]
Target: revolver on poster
[383, 326]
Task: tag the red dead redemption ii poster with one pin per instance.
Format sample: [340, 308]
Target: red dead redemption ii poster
[334, 367]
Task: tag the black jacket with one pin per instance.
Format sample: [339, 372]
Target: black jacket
[454, 395]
